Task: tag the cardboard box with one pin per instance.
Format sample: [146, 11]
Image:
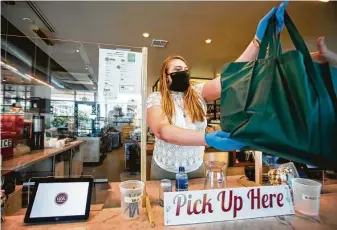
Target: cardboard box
[77, 168]
[59, 169]
[127, 128]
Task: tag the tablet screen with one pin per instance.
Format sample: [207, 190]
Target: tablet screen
[60, 199]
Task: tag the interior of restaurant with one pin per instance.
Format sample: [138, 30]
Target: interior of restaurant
[51, 95]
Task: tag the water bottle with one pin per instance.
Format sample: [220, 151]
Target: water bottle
[181, 180]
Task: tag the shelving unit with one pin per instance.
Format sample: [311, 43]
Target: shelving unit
[213, 110]
[11, 94]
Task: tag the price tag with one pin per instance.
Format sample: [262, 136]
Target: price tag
[307, 197]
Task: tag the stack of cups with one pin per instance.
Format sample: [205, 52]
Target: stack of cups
[131, 198]
[307, 194]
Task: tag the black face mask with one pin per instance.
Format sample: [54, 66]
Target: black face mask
[180, 81]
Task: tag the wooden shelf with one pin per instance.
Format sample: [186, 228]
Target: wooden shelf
[233, 163]
[243, 164]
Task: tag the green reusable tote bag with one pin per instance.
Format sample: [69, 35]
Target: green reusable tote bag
[283, 104]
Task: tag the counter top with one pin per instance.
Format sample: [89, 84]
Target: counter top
[20, 162]
[111, 218]
[150, 148]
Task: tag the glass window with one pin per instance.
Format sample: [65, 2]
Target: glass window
[61, 121]
[27, 105]
[63, 108]
[63, 95]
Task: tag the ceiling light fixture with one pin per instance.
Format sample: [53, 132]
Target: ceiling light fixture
[208, 41]
[8, 66]
[14, 70]
[146, 35]
[28, 20]
[324, 0]
[42, 82]
[77, 50]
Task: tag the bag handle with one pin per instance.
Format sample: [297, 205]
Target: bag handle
[270, 38]
[299, 43]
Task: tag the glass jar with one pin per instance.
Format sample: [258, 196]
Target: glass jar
[165, 186]
[215, 175]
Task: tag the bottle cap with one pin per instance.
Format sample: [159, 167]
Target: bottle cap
[181, 169]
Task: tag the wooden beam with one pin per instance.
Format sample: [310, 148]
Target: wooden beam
[258, 167]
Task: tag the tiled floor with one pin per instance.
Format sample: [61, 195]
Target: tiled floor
[111, 168]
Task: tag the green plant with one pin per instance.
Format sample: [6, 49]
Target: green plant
[60, 121]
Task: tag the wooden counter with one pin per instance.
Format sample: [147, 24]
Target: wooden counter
[111, 218]
[20, 162]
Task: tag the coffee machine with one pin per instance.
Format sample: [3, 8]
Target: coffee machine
[37, 134]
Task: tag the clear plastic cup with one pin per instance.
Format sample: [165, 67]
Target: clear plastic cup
[307, 194]
[131, 198]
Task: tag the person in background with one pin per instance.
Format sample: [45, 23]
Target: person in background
[324, 54]
[177, 113]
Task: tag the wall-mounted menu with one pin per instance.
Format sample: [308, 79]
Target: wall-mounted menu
[119, 75]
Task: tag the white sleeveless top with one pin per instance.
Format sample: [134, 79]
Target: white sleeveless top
[170, 156]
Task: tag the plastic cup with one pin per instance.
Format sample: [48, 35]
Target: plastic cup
[307, 194]
[131, 198]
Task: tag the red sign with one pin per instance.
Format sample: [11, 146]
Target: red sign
[11, 130]
[6, 143]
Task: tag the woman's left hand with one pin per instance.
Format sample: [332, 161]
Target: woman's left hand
[262, 26]
[221, 141]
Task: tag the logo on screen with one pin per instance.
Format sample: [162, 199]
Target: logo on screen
[61, 198]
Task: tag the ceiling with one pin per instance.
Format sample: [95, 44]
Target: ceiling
[186, 25]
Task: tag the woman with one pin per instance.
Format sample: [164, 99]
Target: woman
[176, 114]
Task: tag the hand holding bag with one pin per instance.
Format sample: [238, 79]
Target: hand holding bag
[284, 104]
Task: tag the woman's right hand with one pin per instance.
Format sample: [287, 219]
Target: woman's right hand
[263, 24]
[220, 140]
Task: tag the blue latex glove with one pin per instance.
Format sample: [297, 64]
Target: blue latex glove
[262, 26]
[221, 141]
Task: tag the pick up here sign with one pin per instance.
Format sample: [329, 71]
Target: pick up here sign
[203, 206]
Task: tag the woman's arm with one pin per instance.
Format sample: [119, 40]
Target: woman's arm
[250, 54]
[212, 89]
[179, 136]
[169, 133]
